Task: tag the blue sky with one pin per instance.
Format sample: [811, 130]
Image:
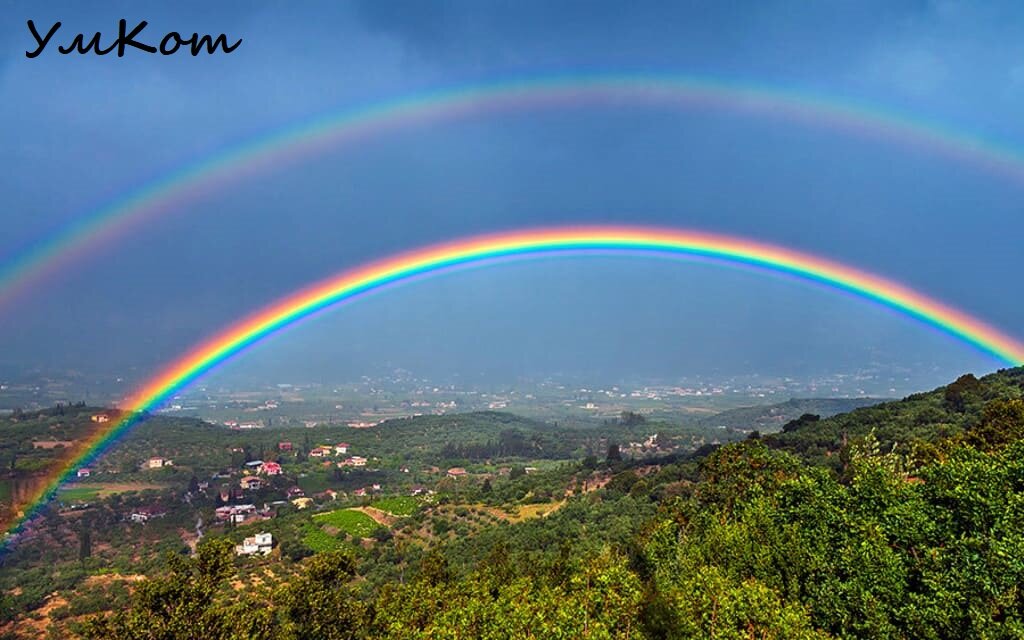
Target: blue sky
[81, 130]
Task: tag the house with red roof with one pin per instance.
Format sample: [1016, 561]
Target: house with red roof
[271, 468]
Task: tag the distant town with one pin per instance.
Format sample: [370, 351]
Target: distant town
[368, 400]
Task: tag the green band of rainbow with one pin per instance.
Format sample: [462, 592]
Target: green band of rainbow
[165, 195]
[481, 249]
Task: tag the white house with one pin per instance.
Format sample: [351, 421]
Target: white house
[261, 544]
[157, 463]
[145, 514]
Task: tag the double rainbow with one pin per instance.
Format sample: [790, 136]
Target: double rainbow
[166, 195]
[480, 250]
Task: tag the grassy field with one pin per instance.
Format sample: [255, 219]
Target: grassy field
[319, 540]
[352, 522]
[79, 494]
[397, 506]
[86, 492]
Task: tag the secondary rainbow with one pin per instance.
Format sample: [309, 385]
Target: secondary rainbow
[538, 242]
[166, 195]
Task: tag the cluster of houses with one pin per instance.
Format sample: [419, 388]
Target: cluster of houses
[152, 463]
[365, 491]
[243, 426]
[327, 451]
[324, 451]
[650, 445]
[268, 468]
[239, 513]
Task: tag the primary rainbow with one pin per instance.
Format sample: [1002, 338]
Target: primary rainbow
[537, 242]
[89, 232]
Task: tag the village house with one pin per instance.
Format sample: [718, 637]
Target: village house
[320, 452]
[360, 493]
[375, 486]
[341, 448]
[456, 472]
[302, 503]
[261, 543]
[250, 483]
[328, 494]
[284, 446]
[353, 461]
[236, 514]
[84, 472]
[270, 468]
[100, 417]
[157, 462]
[145, 514]
[295, 492]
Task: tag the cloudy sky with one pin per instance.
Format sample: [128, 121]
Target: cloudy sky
[80, 131]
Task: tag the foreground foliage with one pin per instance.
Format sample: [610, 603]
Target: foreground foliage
[759, 545]
[904, 520]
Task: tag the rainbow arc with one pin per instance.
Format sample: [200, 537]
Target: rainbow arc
[434, 260]
[166, 195]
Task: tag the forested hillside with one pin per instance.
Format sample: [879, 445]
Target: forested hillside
[770, 418]
[912, 528]
[914, 423]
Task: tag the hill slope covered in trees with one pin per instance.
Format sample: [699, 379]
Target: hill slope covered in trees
[754, 539]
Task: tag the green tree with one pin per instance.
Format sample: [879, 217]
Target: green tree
[319, 604]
